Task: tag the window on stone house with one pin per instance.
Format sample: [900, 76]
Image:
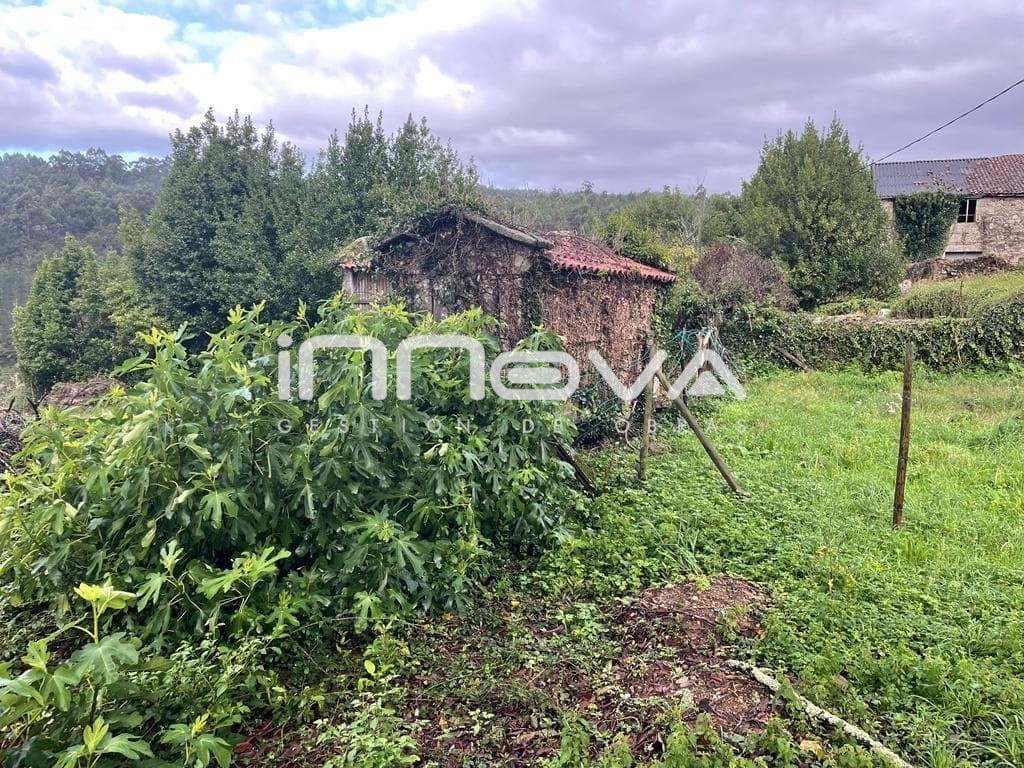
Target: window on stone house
[967, 211]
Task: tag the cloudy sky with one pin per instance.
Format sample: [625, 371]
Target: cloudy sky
[627, 95]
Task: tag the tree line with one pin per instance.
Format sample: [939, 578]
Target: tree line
[242, 218]
[71, 193]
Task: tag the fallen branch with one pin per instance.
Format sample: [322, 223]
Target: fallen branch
[582, 477]
[794, 359]
[815, 712]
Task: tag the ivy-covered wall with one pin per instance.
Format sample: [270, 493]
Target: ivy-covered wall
[608, 313]
[994, 339]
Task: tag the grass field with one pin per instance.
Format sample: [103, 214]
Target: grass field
[968, 297]
[917, 634]
[611, 649]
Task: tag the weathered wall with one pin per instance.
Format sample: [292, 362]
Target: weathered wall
[590, 311]
[1001, 221]
[462, 266]
[997, 231]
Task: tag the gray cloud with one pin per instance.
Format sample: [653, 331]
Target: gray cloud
[25, 65]
[626, 95]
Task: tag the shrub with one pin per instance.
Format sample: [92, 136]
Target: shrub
[219, 503]
[994, 339]
[730, 274]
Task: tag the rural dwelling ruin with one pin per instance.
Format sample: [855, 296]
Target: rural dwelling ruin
[990, 223]
[451, 258]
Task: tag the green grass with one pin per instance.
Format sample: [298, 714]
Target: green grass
[917, 634]
[960, 298]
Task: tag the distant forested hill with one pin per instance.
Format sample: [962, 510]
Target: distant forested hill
[71, 193]
[549, 210]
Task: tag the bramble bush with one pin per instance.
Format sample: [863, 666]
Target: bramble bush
[187, 490]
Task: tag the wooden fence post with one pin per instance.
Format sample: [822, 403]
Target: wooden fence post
[901, 461]
[705, 443]
[645, 434]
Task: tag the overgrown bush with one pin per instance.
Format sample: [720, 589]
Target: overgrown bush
[221, 505]
[98, 706]
[731, 275]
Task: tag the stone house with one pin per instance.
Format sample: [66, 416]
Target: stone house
[990, 222]
[451, 258]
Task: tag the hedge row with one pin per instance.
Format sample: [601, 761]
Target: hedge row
[994, 339]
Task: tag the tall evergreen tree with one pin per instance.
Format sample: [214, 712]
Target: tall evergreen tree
[812, 207]
[224, 222]
[82, 317]
[239, 222]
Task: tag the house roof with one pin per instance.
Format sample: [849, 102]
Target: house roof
[358, 254]
[562, 250]
[432, 219]
[975, 176]
[571, 251]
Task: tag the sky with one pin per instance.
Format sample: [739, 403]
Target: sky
[541, 93]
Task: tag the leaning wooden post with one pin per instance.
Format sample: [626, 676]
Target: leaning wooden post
[645, 434]
[901, 461]
[705, 443]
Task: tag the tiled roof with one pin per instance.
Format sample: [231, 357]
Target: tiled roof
[574, 252]
[1002, 175]
[977, 176]
[562, 250]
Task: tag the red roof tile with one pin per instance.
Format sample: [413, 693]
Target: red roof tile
[570, 251]
[973, 176]
[1001, 175]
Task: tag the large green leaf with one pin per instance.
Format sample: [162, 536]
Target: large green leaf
[103, 661]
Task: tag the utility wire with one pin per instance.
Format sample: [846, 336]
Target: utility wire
[919, 139]
[948, 123]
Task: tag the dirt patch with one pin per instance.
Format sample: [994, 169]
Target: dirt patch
[691, 628]
[665, 650]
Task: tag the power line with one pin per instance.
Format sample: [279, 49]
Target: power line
[919, 139]
[948, 123]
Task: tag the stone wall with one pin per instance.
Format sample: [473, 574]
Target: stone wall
[996, 232]
[609, 314]
[1001, 220]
